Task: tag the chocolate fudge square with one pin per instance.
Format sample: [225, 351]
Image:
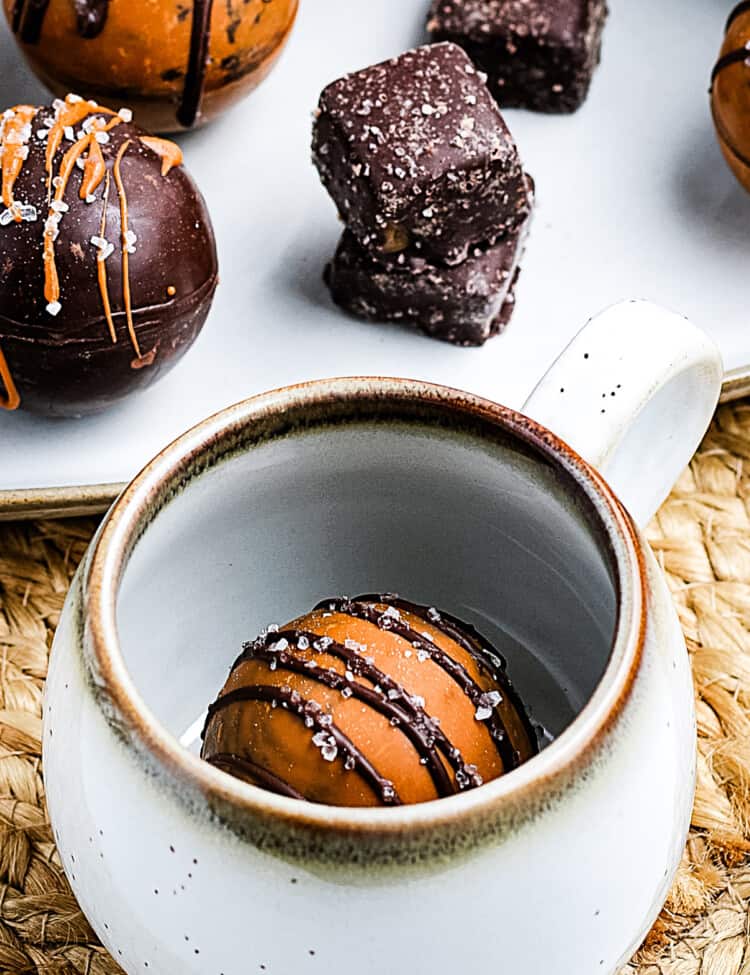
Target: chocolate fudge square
[465, 304]
[538, 54]
[415, 154]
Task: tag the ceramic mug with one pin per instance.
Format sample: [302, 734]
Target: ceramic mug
[381, 484]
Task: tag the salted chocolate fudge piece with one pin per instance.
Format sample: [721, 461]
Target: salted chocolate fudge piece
[415, 154]
[465, 304]
[538, 54]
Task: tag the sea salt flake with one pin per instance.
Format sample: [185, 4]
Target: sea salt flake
[69, 133]
[28, 212]
[417, 700]
[73, 99]
[322, 643]
[91, 198]
[427, 109]
[388, 792]
[102, 138]
[311, 665]
[59, 207]
[433, 615]
[54, 308]
[423, 655]
[393, 694]
[303, 643]
[126, 115]
[346, 692]
[350, 763]
[349, 675]
[353, 645]
[6, 217]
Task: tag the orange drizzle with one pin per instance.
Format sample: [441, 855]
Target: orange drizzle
[101, 269]
[169, 152]
[124, 237]
[51, 282]
[93, 171]
[71, 114]
[11, 401]
[15, 151]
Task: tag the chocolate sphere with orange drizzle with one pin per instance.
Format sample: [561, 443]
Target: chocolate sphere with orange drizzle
[107, 258]
[730, 94]
[367, 702]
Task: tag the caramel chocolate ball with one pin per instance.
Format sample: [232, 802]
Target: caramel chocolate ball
[176, 64]
[730, 94]
[372, 701]
[107, 258]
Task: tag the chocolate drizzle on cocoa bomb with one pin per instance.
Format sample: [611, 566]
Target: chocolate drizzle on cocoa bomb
[368, 701]
[107, 257]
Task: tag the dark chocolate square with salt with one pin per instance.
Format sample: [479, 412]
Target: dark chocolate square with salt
[465, 304]
[415, 154]
[537, 54]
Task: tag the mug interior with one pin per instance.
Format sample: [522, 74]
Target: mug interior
[462, 515]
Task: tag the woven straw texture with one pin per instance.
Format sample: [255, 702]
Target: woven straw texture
[701, 537]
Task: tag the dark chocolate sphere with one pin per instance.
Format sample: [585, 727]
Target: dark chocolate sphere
[107, 258]
[176, 64]
[368, 702]
[730, 94]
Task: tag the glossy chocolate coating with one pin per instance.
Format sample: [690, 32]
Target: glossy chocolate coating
[537, 54]
[465, 304]
[176, 64]
[368, 702]
[80, 360]
[415, 154]
[730, 94]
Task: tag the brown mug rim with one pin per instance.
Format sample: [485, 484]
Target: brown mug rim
[209, 443]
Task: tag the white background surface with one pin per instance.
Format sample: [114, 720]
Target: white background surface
[634, 200]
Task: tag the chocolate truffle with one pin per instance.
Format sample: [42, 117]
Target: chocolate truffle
[107, 257]
[415, 154]
[176, 64]
[372, 701]
[730, 94]
[538, 54]
[465, 304]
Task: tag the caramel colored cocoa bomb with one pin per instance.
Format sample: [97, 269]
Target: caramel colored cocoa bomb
[107, 258]
[176, 64]
[373, 701]
[730, 94]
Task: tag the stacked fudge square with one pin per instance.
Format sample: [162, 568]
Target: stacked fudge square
[427, 178]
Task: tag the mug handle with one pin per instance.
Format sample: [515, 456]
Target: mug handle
[633, 394]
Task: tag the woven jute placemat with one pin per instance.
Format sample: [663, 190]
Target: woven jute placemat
[701, 536]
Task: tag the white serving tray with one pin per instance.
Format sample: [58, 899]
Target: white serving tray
[634, 200]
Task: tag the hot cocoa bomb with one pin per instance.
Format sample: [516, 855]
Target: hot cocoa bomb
[107, 257]
[730, 94]
[373, 701]
[176, 64]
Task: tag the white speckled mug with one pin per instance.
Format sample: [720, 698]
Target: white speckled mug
[377, 484]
